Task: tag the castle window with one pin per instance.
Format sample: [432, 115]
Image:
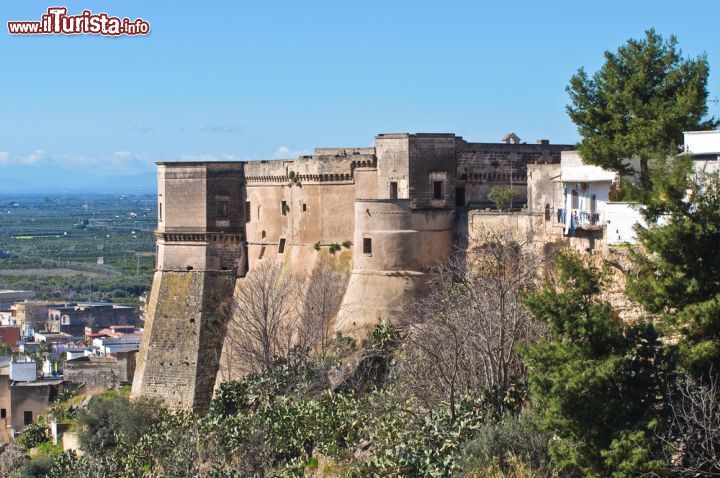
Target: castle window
[223, 208]
[438, 190]
[262, 252]
[27, 416]
[393, 190]
[284, 208]
[367, 245]
[160, 212]
[3, 413]
[281, 246]
[247, 211]
[460, 196]
[262, 234]
[304, 207]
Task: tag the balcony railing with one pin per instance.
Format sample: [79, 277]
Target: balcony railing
[581, 218]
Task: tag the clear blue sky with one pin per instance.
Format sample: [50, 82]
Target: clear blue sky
[253, 80]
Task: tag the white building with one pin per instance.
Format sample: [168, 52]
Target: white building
[112, 345]
[23, 370]
[585, 192]
[586, 207]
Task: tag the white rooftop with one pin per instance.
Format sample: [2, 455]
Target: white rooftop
[702, 142]
[573, 170]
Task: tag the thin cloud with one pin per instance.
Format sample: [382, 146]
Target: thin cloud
[37, 156]
[117, 163]
[143, 128]
[222, 128]
[283, 152]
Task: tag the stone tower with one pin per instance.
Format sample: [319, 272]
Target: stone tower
[201, 250]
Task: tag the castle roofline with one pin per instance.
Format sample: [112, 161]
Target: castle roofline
[197, 163]
[415, 135]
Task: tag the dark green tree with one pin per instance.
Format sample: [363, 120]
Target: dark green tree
[112, 419]
[678, 262]
[596, 381]
[639, 102]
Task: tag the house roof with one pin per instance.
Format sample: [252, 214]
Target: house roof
[586, 174]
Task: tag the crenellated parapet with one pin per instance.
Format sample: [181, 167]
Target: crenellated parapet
[394, 207]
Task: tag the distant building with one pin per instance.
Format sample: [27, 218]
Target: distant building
[32, 315]
[101, 373]
[10, 335]
[112, 345]
[74, 318]
[22, 396]
[55, 338]
[9, 297]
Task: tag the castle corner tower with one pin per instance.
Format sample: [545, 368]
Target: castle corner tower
[201, 250]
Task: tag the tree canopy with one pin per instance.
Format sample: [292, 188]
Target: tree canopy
[639, 102]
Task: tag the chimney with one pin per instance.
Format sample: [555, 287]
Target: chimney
[543, 141]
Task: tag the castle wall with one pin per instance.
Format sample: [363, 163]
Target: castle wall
[200, 251]
[392, 205]
[404, 244]
[480, 166]
[543, 188]
[180, 349]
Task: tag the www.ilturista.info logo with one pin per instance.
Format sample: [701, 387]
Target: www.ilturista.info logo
[57, 22]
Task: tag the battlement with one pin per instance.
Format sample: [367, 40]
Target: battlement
[394, 207]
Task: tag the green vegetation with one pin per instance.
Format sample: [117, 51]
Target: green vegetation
[678, 265]
[502, 196]
[639, 103]
[110, 419]
[595, 382]
[490, 373]
[51, 246]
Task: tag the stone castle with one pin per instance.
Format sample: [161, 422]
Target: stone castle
[399, 208]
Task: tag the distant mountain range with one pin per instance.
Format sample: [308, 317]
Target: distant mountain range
[22, 179]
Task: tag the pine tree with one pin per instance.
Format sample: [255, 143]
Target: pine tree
[639, 102]
[596, 381]
[678, 263]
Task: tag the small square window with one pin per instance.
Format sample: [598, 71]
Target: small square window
[281, 246]
[438, 190]
[367, 245]
[3, 413]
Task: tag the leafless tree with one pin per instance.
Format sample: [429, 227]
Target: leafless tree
[462, 336]
[263, 319]
[321, 295]
[12, 459]
[694, 438]
[279, 316]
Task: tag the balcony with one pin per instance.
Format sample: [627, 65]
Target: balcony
[581, 219]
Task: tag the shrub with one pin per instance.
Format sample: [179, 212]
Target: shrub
[502, 196]
[34, 435]
[503, 444]
[112, 418]
[37, 468]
